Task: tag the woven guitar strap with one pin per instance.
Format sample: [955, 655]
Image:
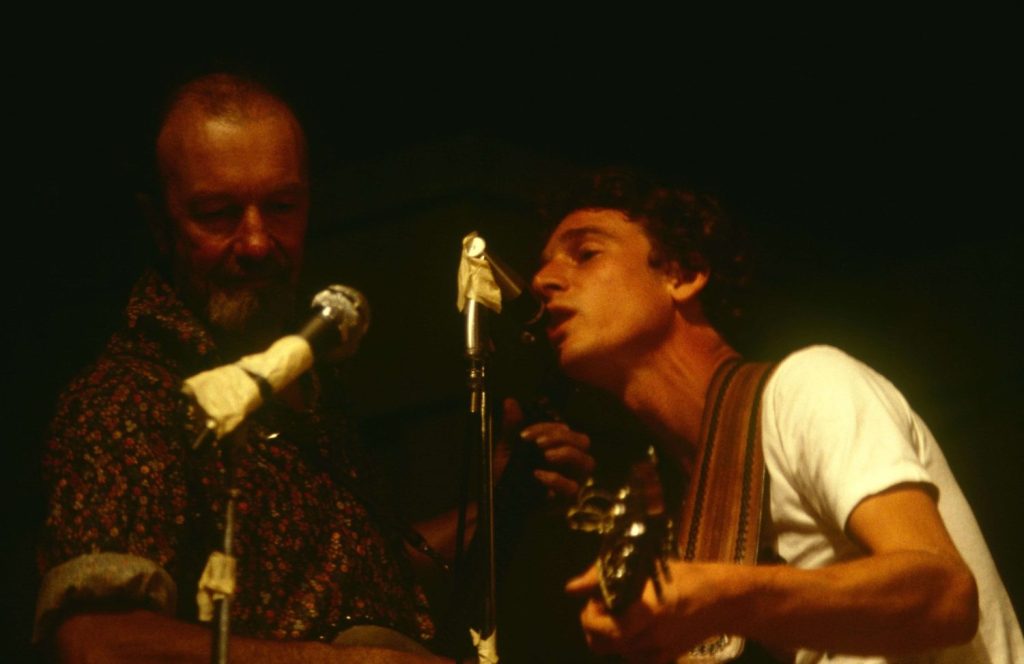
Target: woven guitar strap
[721, 518]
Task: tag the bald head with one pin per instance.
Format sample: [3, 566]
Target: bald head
[224, 99]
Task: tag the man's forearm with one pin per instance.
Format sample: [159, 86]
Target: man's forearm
[144, 636]
[898, 602]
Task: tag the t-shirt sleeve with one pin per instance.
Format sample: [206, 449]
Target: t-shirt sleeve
[845, 432]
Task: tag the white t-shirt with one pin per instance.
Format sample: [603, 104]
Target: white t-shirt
[834, 433]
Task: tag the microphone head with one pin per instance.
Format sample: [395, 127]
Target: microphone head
[347, 309]
[518, 297]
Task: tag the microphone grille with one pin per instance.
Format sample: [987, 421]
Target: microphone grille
[347, 308]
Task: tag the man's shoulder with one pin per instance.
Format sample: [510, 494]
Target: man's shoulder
[118, 390]
[820, 395]
[145, 360]
[823, 375]
[116, 371]
[817, 362]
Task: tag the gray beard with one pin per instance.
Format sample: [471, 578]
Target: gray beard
[250, 318]
[231, 312]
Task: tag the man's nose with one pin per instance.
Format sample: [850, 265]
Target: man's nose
[547, 280]
[253, 241]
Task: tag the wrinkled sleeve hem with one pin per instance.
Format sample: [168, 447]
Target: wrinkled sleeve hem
[102, 579]
[882, 480]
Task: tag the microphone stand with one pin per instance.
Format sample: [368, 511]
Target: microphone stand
[483, 282]
[222, 605]
[229, 394]
[221, 623]
[477, 345]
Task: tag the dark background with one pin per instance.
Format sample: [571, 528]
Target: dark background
[874, 172]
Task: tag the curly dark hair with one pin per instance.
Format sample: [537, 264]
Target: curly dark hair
[685, 226]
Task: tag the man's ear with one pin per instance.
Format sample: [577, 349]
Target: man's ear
[156, 220]
[685, 284]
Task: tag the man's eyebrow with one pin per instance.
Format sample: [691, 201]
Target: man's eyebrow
[206, 194]
[203, 195]
[576, 234]
[292, 188]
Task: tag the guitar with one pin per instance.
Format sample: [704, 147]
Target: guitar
[638, 538]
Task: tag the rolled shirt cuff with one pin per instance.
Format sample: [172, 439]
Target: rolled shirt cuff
[102, 578]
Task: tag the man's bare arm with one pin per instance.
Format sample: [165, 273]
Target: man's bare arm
[144, 636]
[912, 593]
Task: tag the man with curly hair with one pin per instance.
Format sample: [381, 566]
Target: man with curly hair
[884, 560]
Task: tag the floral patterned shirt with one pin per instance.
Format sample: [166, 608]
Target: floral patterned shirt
[122, 479]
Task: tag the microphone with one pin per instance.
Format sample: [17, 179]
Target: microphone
[513, 286]
[340, 309]
[519, 299]
[228, 394]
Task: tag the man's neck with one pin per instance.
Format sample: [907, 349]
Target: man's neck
[667, 389]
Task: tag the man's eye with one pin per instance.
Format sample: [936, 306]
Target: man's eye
[584, 254]
[279, 207]
[218, 213]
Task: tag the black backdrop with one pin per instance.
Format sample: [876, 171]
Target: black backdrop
[873, 178]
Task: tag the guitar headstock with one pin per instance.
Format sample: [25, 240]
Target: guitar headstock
[637, 535]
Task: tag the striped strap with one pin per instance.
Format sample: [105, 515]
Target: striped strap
[721, 517]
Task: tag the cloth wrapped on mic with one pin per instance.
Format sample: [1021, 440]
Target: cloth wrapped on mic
[229, 393]
[476, 281]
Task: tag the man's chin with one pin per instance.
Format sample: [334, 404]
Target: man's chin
[249, 311]
[232, 312]
[573, 364]
[586, 366]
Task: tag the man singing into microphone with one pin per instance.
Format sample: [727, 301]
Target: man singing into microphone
[885, 559]
[133, 515]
